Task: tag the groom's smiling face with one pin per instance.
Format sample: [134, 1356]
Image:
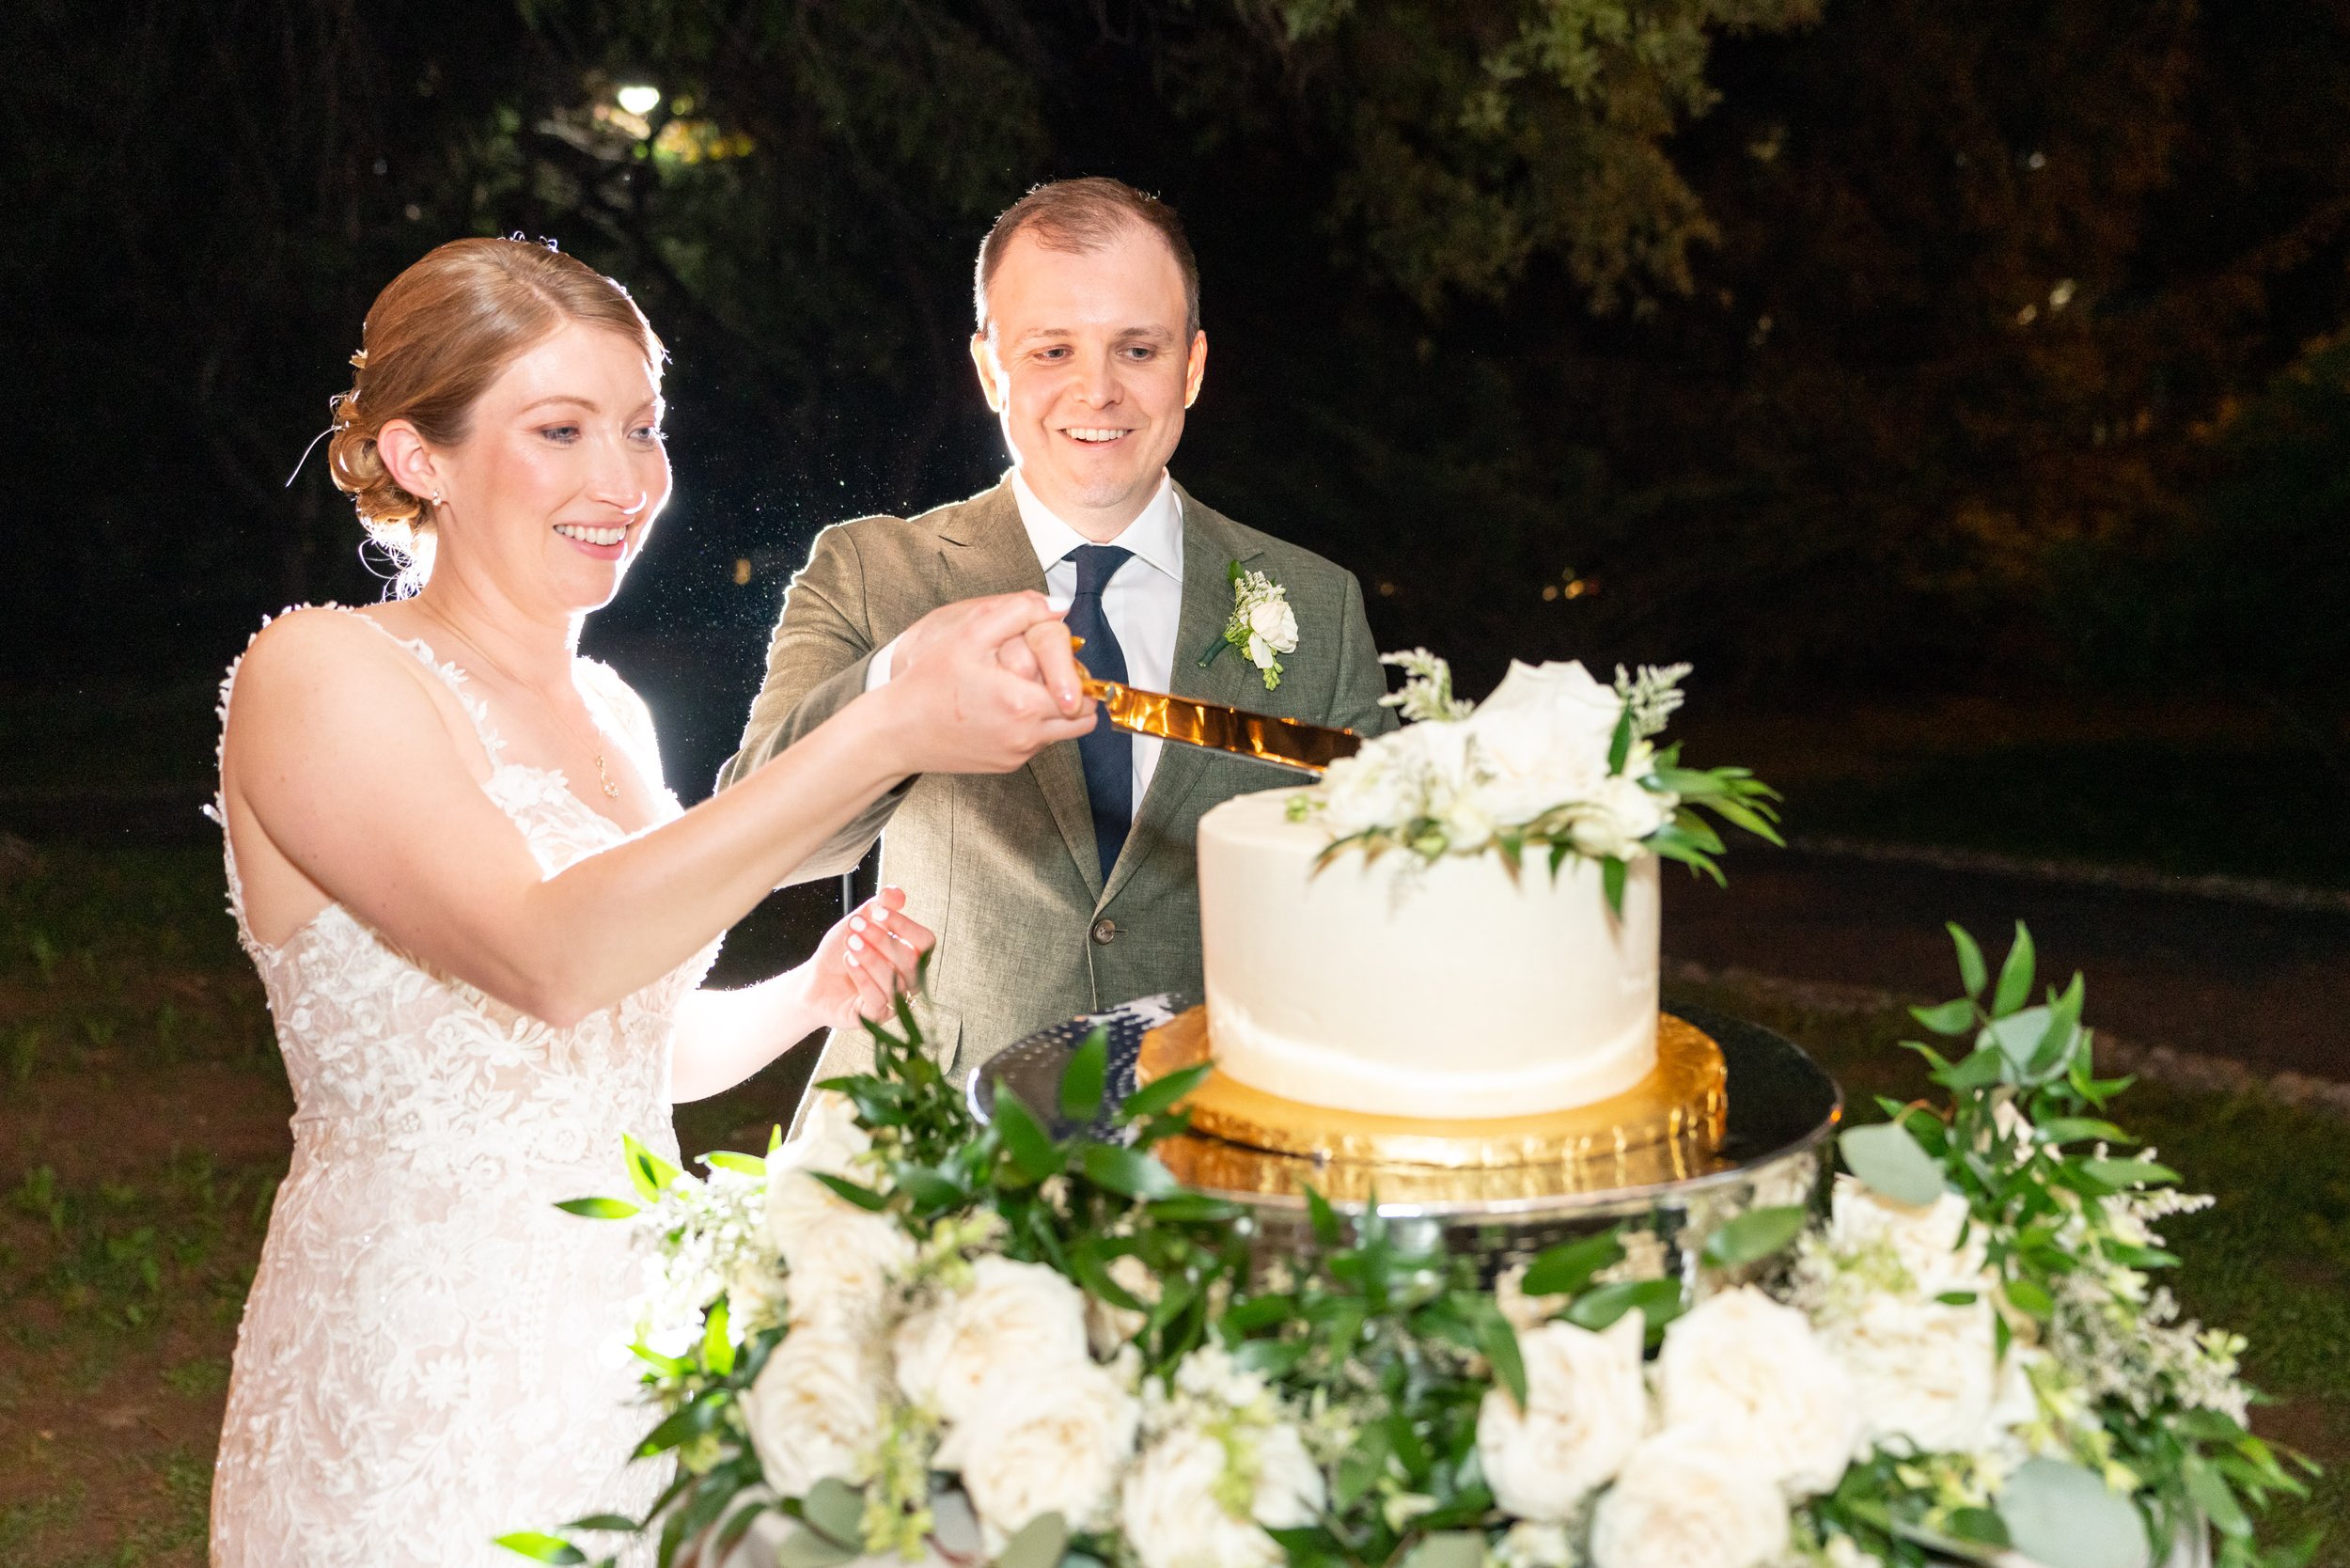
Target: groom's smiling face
[1087, 361]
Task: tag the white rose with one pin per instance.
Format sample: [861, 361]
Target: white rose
[1044, 1440]
[1273, 620]
[1380, 786]
[1924, 1373]
[1925, 1238]
[1527, 1544]
[817, 1406]
[1169, 1508]
[841, 1258]
[1586, 1407]
[1543, 739]
[1619, 813]
[1018, 1317]
[1108, 1326]
[1683, 1501]
[1754, 1377]
[1585, 709]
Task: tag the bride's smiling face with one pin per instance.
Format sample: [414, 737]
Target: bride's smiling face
[560, 475]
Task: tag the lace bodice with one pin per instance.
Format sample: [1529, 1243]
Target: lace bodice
[432, 1354]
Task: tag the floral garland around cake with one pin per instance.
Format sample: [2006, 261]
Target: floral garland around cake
[1553, 760]
[909, 1333]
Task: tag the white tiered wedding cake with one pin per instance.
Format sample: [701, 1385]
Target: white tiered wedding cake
[1461, 920]
[1452, 988]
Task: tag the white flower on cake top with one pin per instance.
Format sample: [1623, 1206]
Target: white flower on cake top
[1554, 759]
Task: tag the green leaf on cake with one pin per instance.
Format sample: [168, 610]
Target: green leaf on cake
[1754, 1235]
[1888, 1159]
[1611, 873]
[1082, 1080]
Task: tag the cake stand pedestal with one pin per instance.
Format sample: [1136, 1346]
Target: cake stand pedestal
[1774, 1149]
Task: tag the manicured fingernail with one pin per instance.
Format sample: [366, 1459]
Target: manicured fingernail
[856, 922]
[854, 964]
[856, 943]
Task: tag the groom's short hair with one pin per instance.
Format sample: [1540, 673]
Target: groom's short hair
[1080, 215]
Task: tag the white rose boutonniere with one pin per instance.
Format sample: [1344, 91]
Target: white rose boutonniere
[1263, 626]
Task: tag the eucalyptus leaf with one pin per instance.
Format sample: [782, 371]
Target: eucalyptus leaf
[1452, 1548]
[808, 1548]
[2063, 1515]
[1971, 973]
[2015, 980]
[1038, 1543]
[837, 1508]
[1082, 1080]
[1888, 1159]
[1753, 1235]
[598, 1208]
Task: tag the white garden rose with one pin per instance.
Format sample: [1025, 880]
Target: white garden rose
[1586, 1407]
[1527, 1544]
[1044, 1440]
[1542, 740]
[1925, 1239]
[1619, 814]
[840, 1258]
[1926, 1373]
[1172, 1506]
[1685, 1501]
[1272, 622]
[1755, 1379]
[1018, 1317]
[816, 1408]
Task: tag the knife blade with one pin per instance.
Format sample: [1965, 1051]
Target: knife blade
[1187, 721]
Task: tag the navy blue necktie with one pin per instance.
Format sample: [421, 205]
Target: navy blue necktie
[1107, 752]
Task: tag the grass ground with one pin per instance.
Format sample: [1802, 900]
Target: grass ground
[142, 1132]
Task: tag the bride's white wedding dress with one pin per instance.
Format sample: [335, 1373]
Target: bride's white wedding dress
[434, 1355]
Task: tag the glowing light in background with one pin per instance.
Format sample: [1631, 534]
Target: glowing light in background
[638, 98]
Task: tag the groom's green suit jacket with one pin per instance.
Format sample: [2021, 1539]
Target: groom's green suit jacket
[1003, 867]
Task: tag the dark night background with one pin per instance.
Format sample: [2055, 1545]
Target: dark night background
[1963, 385]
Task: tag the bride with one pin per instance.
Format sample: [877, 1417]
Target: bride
[482, 921]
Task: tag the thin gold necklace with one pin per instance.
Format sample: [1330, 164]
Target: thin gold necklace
[603, 773]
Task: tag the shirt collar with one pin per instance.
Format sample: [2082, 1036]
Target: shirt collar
[1155, 536]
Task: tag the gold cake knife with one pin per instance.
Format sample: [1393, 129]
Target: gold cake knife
[1188, 721]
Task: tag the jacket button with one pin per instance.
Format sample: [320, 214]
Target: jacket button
[1106, 931]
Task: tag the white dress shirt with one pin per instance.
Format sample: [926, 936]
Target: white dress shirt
[1143, 602]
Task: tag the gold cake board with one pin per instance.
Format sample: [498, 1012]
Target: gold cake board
[1665, 1128]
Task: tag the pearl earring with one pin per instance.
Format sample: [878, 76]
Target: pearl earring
[436, 497]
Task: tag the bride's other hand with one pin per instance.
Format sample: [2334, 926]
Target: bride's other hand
[984, 684]
[865, 960]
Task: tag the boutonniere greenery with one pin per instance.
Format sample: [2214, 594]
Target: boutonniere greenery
[1262, 625]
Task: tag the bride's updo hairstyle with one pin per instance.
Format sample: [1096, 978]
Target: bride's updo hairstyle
[435, 339]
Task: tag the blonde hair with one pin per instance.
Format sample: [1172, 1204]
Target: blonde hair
[435, 339]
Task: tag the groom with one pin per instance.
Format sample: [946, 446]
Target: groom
[1070, 886]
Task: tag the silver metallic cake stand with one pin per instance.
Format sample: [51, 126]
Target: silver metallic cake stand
[1776, 1151]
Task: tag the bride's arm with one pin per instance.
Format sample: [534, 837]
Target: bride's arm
[339, 756]
[864, 961]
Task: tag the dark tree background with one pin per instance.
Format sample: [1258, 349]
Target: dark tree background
[1897, 349]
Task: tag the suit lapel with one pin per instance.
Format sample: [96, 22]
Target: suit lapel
[1210, 547]
[984, 550]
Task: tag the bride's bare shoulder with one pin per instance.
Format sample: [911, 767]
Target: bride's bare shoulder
[316, 661]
